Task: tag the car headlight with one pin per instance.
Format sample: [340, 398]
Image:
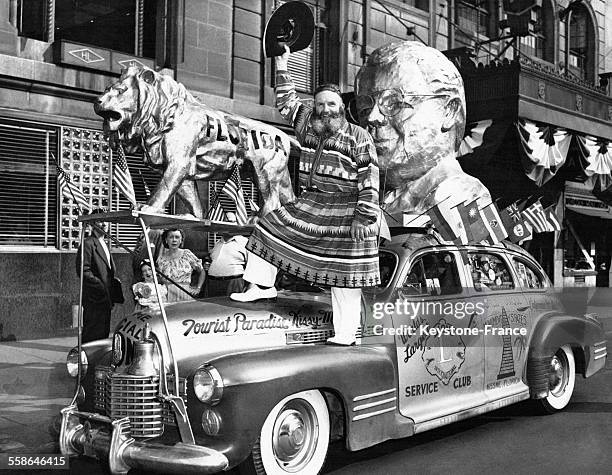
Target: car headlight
[72, 363]
[208, 385]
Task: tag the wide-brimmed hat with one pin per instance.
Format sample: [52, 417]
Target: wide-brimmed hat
[291, 24]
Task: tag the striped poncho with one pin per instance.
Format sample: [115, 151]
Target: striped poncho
[310, 237]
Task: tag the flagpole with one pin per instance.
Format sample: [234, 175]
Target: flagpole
[426, 211]
[389, 214]
[144, 183]
[69, 189]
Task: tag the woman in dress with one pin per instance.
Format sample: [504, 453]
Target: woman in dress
[179, 264]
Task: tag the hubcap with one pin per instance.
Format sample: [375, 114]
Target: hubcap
[295, 435]
[558, 374]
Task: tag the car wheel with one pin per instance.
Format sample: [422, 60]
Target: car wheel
[562, 378]
[294, 437]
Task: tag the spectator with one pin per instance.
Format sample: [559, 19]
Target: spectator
[179, 265]
[101, 289]
[228, 261]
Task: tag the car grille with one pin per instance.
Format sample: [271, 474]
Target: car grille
[120, 395]
[135, 397]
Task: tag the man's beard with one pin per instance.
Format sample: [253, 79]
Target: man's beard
[327, 123]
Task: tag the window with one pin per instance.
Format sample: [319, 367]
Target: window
[529, 277]
[31, 17]
[540, 42]
[533, 45]
[433, 274]
[318, 63]
[420, 4]
[120, 25]
[28, 185]
[127, 26]
[387, 263]
[489, 272]
[581, 43]
[472, 17]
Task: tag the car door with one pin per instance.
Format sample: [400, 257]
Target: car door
[440, 367]
[505, 324]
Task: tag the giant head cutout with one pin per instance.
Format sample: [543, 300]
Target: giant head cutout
[411, 99]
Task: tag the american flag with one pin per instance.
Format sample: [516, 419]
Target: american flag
[69, 189]
[233, 189]
[121, 176]
[217, 213]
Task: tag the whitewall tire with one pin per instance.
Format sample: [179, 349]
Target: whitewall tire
[562, 378]
[294, 437]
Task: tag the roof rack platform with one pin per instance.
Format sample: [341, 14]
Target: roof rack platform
[163, 220]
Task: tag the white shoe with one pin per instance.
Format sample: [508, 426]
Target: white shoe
[340, 341]
[253, 294]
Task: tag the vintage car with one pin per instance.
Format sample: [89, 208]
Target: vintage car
[208, 385]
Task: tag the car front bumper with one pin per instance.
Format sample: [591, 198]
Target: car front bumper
[97, 436]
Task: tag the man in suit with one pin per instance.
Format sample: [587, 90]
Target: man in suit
[98, 276]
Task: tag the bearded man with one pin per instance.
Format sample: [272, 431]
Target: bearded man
[411, 99]
[328, 236]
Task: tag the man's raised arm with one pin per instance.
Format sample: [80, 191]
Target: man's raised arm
[287, 101]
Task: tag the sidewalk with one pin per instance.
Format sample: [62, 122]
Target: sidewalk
[34, 386]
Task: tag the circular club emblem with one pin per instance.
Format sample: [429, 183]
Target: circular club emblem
[443, 356]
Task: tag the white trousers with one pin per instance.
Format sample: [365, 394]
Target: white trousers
[346, 303]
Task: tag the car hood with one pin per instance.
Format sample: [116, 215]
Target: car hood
[202, 329]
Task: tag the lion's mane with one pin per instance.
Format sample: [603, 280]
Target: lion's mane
[159, 100]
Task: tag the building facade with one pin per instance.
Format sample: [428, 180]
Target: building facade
[57, 56]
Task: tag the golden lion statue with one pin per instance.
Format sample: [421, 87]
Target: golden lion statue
[189, 141]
